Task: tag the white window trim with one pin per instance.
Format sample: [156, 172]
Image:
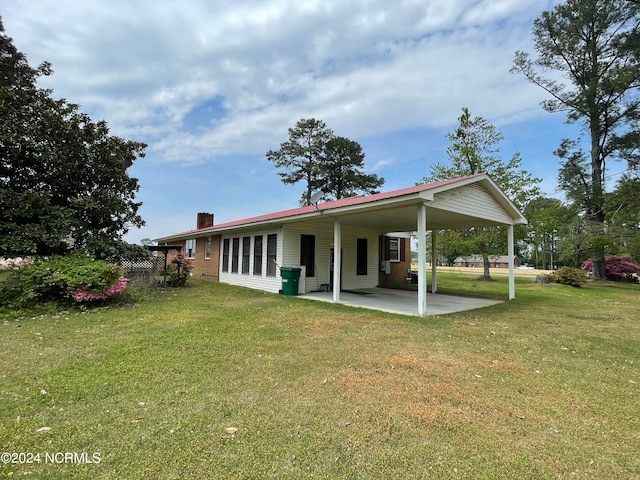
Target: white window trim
[186, 248]
[265, 236]
[397, 250]
[207, 248]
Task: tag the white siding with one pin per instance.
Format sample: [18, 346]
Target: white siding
[288, 253]
[324, 242]
[350, 280]
[472, 200]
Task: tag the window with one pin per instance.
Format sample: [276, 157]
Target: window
[235, 253]
[207, 248]
[257, 255]
[272, 249]
[394, 249]
[361, 256]
[246, 251]
[190, 248]
[225, 255]
[308, 253]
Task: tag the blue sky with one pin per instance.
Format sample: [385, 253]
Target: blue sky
[210, 86]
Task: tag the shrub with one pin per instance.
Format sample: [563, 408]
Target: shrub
[618, 268]
[178, 271]
[63, 278]
[569, 276]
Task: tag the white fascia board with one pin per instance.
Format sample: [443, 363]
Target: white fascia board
[410, 199]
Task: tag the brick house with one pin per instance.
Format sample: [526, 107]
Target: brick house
[248, 252]
[495, 261]
[204, 253]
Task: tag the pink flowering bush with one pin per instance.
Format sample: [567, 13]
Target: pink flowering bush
[178, 271]
[76, 277]
[618, 268]
[83, 295]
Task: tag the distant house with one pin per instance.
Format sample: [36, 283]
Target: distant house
[498, 261]
[371, 232]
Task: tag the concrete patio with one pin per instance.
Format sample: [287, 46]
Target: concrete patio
[402, 301]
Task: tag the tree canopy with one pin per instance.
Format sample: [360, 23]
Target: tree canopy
[589, 64]
[327, 163]
[63, 178]
[300, 156]
[342, 170]
[546, 216]
[475, 149]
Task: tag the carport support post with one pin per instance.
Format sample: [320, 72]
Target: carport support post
[422, 260]
[434, 281]
[510, 251]
[337, 237]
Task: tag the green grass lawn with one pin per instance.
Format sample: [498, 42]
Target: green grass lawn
[545, 386]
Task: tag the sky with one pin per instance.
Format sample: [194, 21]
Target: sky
[211, 85]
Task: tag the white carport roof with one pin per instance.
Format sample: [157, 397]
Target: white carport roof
[471, 201]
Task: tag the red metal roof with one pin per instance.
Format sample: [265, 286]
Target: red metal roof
[321, 207]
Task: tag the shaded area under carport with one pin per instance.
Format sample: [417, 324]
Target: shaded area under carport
[403, 302]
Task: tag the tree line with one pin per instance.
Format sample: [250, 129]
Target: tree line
[594, 45]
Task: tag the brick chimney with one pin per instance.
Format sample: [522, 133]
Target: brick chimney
[205, 220]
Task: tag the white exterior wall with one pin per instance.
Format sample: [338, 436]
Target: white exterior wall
[288, 253]
[324, 242]
[349, 278]
[260, 282]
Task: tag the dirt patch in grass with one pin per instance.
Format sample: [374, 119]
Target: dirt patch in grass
[435, 389]
[322, 328]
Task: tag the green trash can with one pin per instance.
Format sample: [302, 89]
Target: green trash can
[290, 278]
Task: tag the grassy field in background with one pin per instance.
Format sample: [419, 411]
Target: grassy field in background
[542, 387]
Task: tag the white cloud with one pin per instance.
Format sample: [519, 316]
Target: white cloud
[382, 164]
[365, 67]
[368, 68]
